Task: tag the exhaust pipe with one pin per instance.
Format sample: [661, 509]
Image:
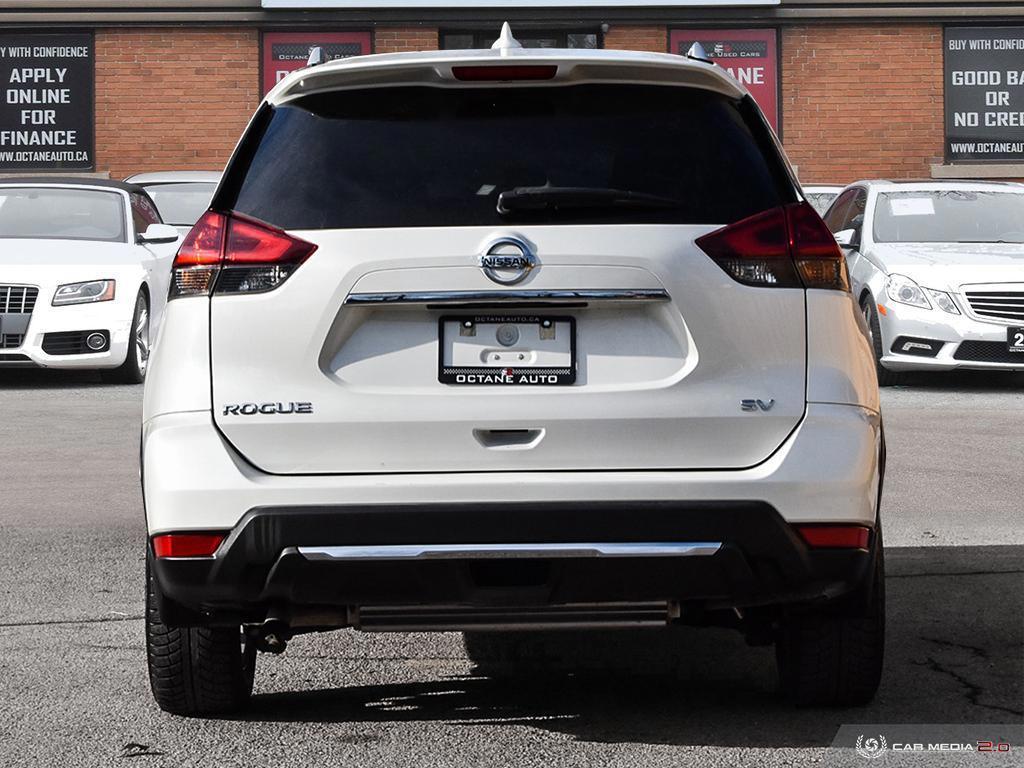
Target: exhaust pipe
[271, 636]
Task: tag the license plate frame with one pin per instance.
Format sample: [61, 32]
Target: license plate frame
[1015, 340]
[502, 376]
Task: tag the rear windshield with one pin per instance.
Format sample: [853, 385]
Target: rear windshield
[181, 203]
[62, 214]
[949, 216]
[422, 157]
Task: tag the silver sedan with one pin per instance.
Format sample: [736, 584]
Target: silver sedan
[938, 269]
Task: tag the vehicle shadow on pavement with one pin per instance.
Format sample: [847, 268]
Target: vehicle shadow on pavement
[962, 381]
[41, 378]
[955, 654]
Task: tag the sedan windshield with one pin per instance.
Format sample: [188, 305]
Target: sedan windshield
[52, 213]
[821, 200]
[181, 204]
[949, 216]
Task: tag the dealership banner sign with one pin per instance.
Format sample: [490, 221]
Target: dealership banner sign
[749, 55]
[984, 72]
[285, 52]
[47, 108]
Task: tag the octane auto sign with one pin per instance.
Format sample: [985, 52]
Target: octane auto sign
[46, 110]
[749, 55]
[984, 94]
[285, 52]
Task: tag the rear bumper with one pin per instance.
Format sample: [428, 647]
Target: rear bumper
[828, 471]
[278, 562]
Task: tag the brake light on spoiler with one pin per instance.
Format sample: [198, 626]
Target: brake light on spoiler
[504, 72]
[785, 247]
[228, 253]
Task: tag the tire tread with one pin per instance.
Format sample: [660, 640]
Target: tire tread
[195, 671]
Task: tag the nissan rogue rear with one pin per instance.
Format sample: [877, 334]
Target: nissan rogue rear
[502, 340]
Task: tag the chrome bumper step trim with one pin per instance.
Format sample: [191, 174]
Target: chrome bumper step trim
[510, 551]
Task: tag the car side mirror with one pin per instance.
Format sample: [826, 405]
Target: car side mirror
[848, 238]
[156, 234]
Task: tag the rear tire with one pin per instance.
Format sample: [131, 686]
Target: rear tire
[833, 657]
[136, 362]
[886, 378]
[196, 671]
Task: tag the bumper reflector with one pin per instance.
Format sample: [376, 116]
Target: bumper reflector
[835, 536]
[187, 544]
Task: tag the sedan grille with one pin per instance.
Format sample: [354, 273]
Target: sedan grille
[18, 299]
[1000, 305]
[987, 352]
[11, 340]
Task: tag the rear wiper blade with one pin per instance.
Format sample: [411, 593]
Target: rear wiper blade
[553, 198]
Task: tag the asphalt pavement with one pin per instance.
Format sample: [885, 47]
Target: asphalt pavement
[73, 686]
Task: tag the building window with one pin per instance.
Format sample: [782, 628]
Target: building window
[529, 39]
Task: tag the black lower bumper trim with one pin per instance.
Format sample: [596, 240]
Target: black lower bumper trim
[259, 568]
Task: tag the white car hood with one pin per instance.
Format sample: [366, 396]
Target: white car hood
[947, 266]
[64, 261]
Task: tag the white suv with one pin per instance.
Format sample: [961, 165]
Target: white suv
[491, 340]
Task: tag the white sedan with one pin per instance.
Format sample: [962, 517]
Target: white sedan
[84, 272]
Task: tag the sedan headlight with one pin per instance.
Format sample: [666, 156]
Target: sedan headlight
[84, 293]
[943, 301]
[905, 291]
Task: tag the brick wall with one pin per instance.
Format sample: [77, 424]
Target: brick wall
[626, 38]
[862, 101]
[856, 101]
[396, 39]
[174, 98]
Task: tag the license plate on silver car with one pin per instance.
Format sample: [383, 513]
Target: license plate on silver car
[1015, 340]
[507, 350]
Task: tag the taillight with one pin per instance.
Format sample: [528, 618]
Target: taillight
[226, 253]
[505, 72]
[199, 256]
[817, 255]
[835, 536]
[187, 544]
[785, 247]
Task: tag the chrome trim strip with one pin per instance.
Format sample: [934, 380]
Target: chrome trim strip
[510, 551]
[477, 297]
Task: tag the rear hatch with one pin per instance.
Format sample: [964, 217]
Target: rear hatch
[571, 323]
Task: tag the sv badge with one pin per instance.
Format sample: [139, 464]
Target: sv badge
[757, 405]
